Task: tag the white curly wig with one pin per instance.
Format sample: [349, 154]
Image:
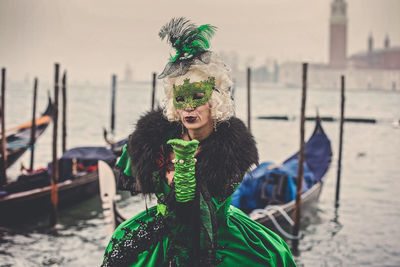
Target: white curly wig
[221, 101]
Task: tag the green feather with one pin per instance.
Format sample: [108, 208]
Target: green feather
[187, 39]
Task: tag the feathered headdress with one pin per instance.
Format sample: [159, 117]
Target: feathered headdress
[191, 45]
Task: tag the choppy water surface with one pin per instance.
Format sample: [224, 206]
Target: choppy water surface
[363, 231]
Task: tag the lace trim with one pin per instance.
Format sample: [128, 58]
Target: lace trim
[126, 250]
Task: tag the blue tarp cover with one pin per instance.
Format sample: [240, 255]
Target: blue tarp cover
[87, 156]
[257, 188]
[89, 153]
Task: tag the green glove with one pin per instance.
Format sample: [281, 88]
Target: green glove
[184, 179]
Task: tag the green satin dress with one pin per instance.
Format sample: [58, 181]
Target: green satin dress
[156, 238]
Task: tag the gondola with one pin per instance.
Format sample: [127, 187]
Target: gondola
[29, 196]
[277, 214]
[116, 147]
[19, 137]
[272, 188]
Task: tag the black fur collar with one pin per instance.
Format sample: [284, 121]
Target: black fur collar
[224, 158]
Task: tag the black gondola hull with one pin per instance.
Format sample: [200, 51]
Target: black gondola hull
[19, 141]
[22, 206]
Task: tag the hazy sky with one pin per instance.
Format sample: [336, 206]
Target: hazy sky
[94, 38]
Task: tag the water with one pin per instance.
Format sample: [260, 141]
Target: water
[363, 231]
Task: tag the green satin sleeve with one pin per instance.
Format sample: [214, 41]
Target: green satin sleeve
[185, 181]
[184, 176]
[124, 162]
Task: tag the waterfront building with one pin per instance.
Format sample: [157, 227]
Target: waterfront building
[371, 69]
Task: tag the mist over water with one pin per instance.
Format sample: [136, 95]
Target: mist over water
[363, 231]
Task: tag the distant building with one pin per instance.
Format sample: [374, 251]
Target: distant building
[338, 34]
[386, 58]
[264, 71]
[128, 75]
[371, 69]
[321, 76]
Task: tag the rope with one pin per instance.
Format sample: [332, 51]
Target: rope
[260, 213]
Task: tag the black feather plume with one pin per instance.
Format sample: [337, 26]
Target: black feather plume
[187, 39]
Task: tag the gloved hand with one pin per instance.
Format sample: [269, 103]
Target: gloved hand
[183, 149]
[184, 177]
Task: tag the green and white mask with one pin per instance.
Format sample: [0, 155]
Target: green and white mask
[192, 95]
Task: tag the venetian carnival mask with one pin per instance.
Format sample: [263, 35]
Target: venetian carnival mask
[193, 94]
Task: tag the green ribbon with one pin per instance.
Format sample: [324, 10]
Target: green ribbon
[125, 162]
[161, 209]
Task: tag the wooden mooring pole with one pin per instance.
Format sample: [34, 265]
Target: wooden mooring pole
[153, 93]
[64, 112]
[3, 167]
[114, 85]
[339, 168]
[300, 167]
[233, 90]
[54, 170]
[33, 127]
[249, 99]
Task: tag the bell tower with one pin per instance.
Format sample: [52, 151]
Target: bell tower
[338, 34]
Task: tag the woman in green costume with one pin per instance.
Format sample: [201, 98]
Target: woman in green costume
[192, 155]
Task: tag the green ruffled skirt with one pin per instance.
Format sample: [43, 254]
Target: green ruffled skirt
[244, 242]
